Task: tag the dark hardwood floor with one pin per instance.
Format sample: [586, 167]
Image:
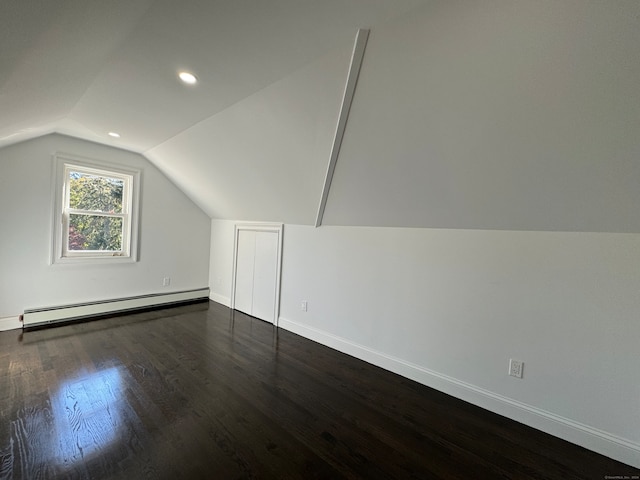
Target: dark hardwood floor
[200, 392]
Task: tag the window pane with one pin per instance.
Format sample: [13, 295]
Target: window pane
[95, 193]
[93, 232]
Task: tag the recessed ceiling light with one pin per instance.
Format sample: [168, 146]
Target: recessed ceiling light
[188, 78]
[114, 134]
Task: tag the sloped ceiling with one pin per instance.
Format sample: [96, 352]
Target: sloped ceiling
[88, 67]
[265, 157]
[506, 114]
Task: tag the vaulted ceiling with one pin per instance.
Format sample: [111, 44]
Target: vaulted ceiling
[88, 67]
[506, 114]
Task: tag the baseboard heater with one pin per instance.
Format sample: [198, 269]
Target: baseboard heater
[39, 317]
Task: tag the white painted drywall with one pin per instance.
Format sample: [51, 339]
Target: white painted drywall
[504, 114]
[450, 307]
[514, 125]
[265, 157]
[173, 235]
[221, 261]
[501, 114]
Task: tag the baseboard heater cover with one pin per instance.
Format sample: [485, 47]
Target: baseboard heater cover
[43, 316]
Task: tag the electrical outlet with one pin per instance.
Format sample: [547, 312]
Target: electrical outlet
[303, 306]
[166, 281]
[515, 368]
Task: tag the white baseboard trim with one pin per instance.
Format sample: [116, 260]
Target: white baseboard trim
[10, 323]
[44, 316]
[216, 297]
[586, 436]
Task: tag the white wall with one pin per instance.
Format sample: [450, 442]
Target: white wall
[449, 308]
[499, 114]
[221, 258]
[265, 157]
[173, 234]
[506, 131]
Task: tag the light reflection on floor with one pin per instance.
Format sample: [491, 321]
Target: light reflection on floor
[87, 415]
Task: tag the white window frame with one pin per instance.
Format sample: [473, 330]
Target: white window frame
[60, 252]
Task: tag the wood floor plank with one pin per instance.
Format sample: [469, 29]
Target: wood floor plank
[199, 391]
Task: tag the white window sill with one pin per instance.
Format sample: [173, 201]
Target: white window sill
[99, 260]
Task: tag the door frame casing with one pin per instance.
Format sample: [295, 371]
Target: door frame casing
[277, 228]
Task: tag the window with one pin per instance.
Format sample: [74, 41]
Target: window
[95, 215]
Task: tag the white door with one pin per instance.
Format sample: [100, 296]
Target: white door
[257, 273]
[244, 271]
[264, 276]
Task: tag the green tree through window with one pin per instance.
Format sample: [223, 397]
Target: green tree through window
[95, 206]
[95, 215]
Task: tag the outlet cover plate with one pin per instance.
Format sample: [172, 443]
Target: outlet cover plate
[515, 368]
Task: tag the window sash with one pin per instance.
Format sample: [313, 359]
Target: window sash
[124, 242]
[125, 215]
[127, 179]
[93, 213]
